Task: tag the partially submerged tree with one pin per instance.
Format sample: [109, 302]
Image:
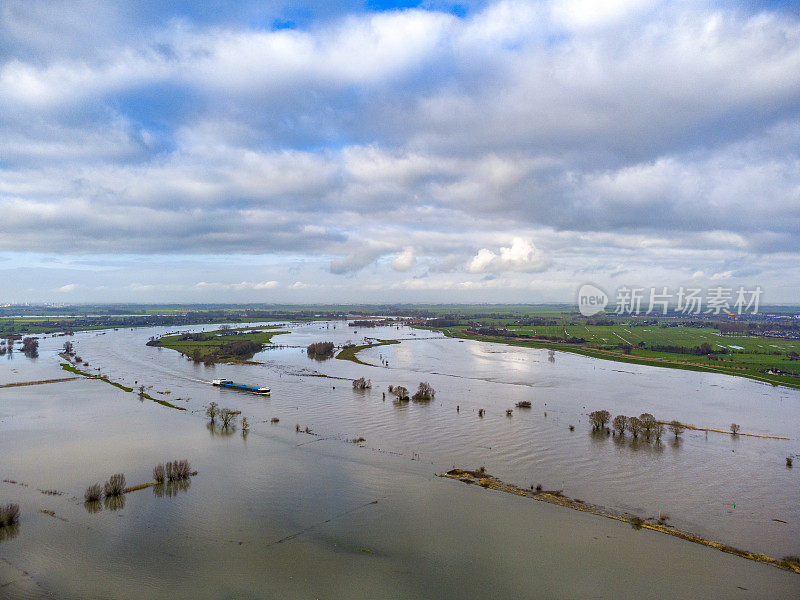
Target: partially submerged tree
[401, 393]
[362, 384]
[212, 412]
[676, 427]
[424, 393]
[115, 485]
[228, 416]
[734, 428]
[599, 418]
[30, 347]
[619, 423]
[93, 493]
[648, 423]
[9, 514]
[634, 426]
[320, 349]
[178, 470]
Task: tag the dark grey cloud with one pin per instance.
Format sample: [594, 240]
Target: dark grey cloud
[635, 134]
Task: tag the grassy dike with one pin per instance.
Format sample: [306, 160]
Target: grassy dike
[124, 388]
[788, 563]
[350, 353]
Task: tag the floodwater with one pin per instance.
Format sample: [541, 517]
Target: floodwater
[292, 515]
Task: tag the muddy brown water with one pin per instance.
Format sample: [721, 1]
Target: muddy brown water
[282, 514]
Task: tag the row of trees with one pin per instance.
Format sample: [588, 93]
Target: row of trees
[645, 424]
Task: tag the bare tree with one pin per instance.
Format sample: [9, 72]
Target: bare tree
[620, 422]
[648, 423]
[362, 384]
[635, 426]
[676, 427]
[424, 393]
[401, 393]
[115, 485]
[599, 418]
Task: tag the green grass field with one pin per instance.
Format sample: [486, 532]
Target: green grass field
[216, 348]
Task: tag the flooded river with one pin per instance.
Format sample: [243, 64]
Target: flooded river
[293, 515]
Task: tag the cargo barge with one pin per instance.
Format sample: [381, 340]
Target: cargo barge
[227, 383]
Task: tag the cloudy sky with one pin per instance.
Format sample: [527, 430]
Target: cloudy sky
[476, 151]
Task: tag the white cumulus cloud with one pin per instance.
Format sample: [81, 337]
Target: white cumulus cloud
[521, 255]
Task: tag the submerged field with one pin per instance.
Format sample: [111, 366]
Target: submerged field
[317, 512]
[768, 359]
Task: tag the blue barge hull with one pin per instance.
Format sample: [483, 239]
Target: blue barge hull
[246, 388]
[237, 386]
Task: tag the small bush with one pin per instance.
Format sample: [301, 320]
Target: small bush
[358, 440]
[789, 461]
[480, 412]
[509, 412]
[734, 428]
[9, 514]
[93, 493]
[159, 473]
[274, 420]
[115, 485]
[524, 404]
[245, 425]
